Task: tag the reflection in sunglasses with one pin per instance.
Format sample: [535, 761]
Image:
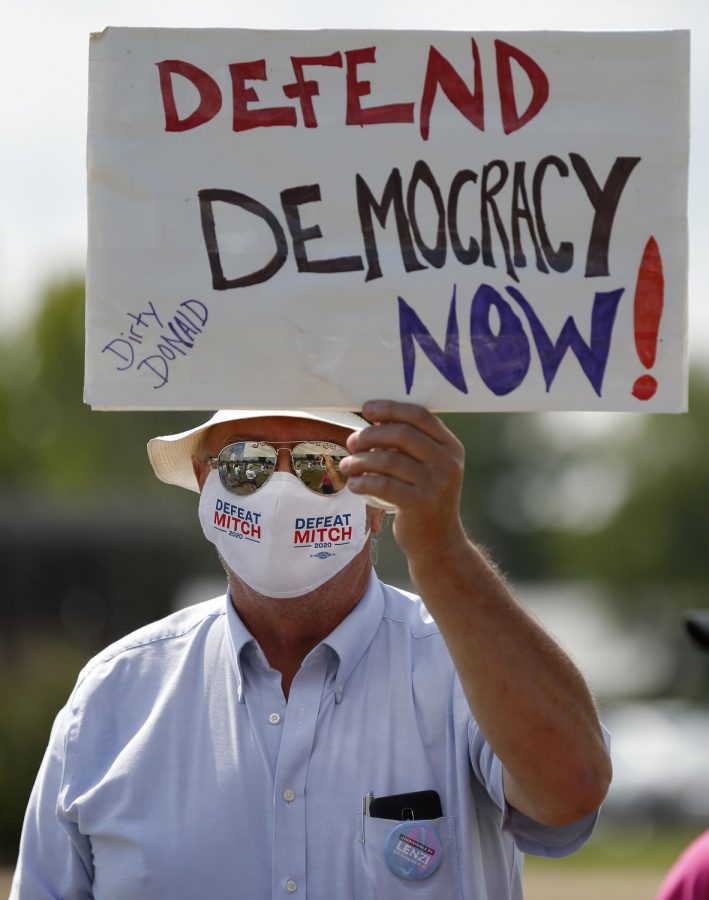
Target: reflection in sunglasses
[245, 466]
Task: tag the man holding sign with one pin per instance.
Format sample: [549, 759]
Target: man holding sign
[315, 732]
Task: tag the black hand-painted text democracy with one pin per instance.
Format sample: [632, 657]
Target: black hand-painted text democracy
[506, 198]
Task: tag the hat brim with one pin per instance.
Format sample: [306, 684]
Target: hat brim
[171, 455]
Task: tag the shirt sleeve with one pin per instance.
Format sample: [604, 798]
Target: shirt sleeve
[55, 859]
[529, 836]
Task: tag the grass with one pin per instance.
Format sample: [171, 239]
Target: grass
[628, 848]
[618, 863]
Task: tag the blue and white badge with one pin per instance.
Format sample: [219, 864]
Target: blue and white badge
[413, 850]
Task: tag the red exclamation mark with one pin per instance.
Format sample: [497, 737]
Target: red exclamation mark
[649, 300]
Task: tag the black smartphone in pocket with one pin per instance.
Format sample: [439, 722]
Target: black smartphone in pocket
[415, 805]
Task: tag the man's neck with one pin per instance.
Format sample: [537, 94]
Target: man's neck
[288, 629]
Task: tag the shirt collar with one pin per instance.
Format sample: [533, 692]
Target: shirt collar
[349, 640]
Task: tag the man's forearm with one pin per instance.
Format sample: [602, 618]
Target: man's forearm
[527, 696]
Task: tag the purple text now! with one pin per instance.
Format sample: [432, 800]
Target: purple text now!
[503, 354]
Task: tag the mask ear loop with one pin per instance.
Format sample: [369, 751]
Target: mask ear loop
[374, 549]
[375, 538]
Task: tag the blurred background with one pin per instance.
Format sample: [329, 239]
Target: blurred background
[600, 522]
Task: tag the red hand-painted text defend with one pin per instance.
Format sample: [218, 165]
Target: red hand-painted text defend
[440, 77]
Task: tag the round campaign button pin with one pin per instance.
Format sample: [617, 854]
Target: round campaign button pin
[413, 850]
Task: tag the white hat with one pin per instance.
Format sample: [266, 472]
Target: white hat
[171, 455]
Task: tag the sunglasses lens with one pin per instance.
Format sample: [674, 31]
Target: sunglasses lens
[246, 466]
[317, 464]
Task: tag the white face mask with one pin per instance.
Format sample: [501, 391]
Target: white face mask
[284, 540]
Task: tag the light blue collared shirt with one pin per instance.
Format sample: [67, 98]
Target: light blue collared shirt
[178, 770]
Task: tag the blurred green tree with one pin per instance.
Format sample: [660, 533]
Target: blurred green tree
[651, 551]
[54, 441]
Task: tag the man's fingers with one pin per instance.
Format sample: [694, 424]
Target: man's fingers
[383, 462]
[408, 428]
[395, 436]
[409, 441]
[391, 490]
[384, 411]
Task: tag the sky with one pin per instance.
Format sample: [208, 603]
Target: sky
[43, 98]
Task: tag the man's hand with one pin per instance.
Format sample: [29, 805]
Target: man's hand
[408, 457]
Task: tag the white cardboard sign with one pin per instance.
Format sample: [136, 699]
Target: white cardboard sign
[471, 221]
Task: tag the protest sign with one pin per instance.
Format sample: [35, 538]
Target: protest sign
[471, 221]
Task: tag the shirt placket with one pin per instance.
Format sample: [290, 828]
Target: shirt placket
[265, 703]
[289, 799]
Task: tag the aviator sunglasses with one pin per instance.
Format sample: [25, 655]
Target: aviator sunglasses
[245, 466]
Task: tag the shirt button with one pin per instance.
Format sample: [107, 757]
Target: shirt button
[289, 797]
[291, 886]
[274, 718]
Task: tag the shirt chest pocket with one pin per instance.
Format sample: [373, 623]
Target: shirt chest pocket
[374, 880]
